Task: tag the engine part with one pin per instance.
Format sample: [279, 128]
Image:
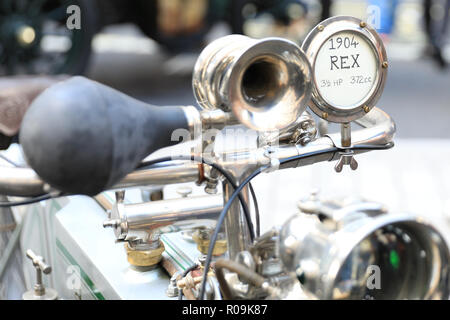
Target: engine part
[203, 236]
[144, 255]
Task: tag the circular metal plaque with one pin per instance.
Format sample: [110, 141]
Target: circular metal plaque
[349, 68]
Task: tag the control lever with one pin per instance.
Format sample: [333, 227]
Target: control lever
[39, 292]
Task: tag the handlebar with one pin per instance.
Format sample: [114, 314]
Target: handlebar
[378, 129]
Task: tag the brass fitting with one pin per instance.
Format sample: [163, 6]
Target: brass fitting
[189, 282]
[144, 258]
[203, 238]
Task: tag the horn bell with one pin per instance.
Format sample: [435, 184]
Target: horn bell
[265, 83]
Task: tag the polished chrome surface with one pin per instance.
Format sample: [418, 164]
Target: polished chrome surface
[265, 83]
[137, 221]
[22, 182]
[336, 247]
[161, 174]
[378, 128]
[311, 46]
[235, 223]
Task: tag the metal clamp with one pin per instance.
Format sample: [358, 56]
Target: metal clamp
[346, 156]
[346, 159]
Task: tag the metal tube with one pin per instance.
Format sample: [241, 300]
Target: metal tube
[24, 182]
[346, 134]
[161, 174]
[236, 227]
[145, 215]
[137, 220]
[378, 128]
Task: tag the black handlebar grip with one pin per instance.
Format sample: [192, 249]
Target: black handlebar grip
[82, 137]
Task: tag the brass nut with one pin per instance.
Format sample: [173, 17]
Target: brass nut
[366, 109]
[144, 258]
[203, 245]
[324, 115]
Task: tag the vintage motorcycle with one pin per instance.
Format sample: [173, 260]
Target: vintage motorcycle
[81, 138]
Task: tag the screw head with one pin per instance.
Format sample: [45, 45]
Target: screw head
[324, 115]
[385, 64]
[320, 27]
[366, 109]
[184, 191]
[363, 24]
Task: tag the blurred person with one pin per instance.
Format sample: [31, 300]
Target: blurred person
[436, 30]
[387, 11]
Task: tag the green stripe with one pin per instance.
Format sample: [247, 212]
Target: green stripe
[181, 266]
[55, 205]
[69, 263]
[84, 276]
[167, 241]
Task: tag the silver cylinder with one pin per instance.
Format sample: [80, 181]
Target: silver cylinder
[131, 221]
[236, 226]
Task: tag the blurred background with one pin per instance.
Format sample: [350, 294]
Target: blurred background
[147, 49]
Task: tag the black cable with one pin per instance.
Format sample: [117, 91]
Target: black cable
[227, 176]
[219, 224]
[255, 203]
[147, 163]
[9, 161]
[372, 147]
[9, 204]
[253, 175]
[25, 202]
[185, 273]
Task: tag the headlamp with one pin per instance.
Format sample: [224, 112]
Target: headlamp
[359, 251]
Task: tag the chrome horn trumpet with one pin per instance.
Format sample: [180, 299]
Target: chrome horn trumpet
[265, 83]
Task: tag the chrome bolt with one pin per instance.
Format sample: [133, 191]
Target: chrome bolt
[111, 223]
